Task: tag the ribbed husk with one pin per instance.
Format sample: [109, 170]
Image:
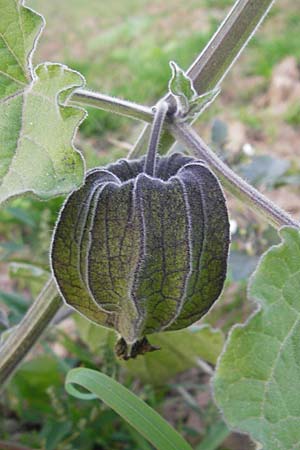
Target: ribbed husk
[143, 254]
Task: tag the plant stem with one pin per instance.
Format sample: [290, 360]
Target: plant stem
[83, 97]
[209, 68]
[156, 129]
[21, 339]
[231, 181]
[224, 48]
[220, 53]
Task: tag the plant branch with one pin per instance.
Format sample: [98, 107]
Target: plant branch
[189, 138]
[208, 70]
[23, 337]
[83, 97]
[231, 181]
[224, 48]
[220, 53]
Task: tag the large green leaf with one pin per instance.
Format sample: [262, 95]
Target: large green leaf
[36, 127]
[257, 382]
[136, 412]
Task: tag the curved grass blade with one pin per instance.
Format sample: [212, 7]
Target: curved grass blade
[136, 412]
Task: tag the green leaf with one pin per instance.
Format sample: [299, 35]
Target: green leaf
[190, 105]
[181, 86]
[140, 442]
[36, 126]
[257, 382]
[201, 102]
[136, 412]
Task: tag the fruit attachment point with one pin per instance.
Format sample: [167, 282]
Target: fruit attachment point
[130, 351]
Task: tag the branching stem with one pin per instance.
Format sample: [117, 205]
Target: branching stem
[218, 56]
[206, 71]
[250, 196]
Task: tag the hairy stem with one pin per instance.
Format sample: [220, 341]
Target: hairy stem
[83, 97]
[208, 70]
[231, 181]
[21, 339]
[224, 48]
[156, 129]
[220, 53]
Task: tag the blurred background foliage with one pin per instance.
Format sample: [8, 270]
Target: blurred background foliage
[123, 48]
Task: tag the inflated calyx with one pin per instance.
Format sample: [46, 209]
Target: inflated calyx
[140, 253]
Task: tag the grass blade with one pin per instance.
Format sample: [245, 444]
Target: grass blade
[136, 412]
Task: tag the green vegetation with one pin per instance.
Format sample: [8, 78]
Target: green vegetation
[292, 116]
[126, 54]
[280, 40]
